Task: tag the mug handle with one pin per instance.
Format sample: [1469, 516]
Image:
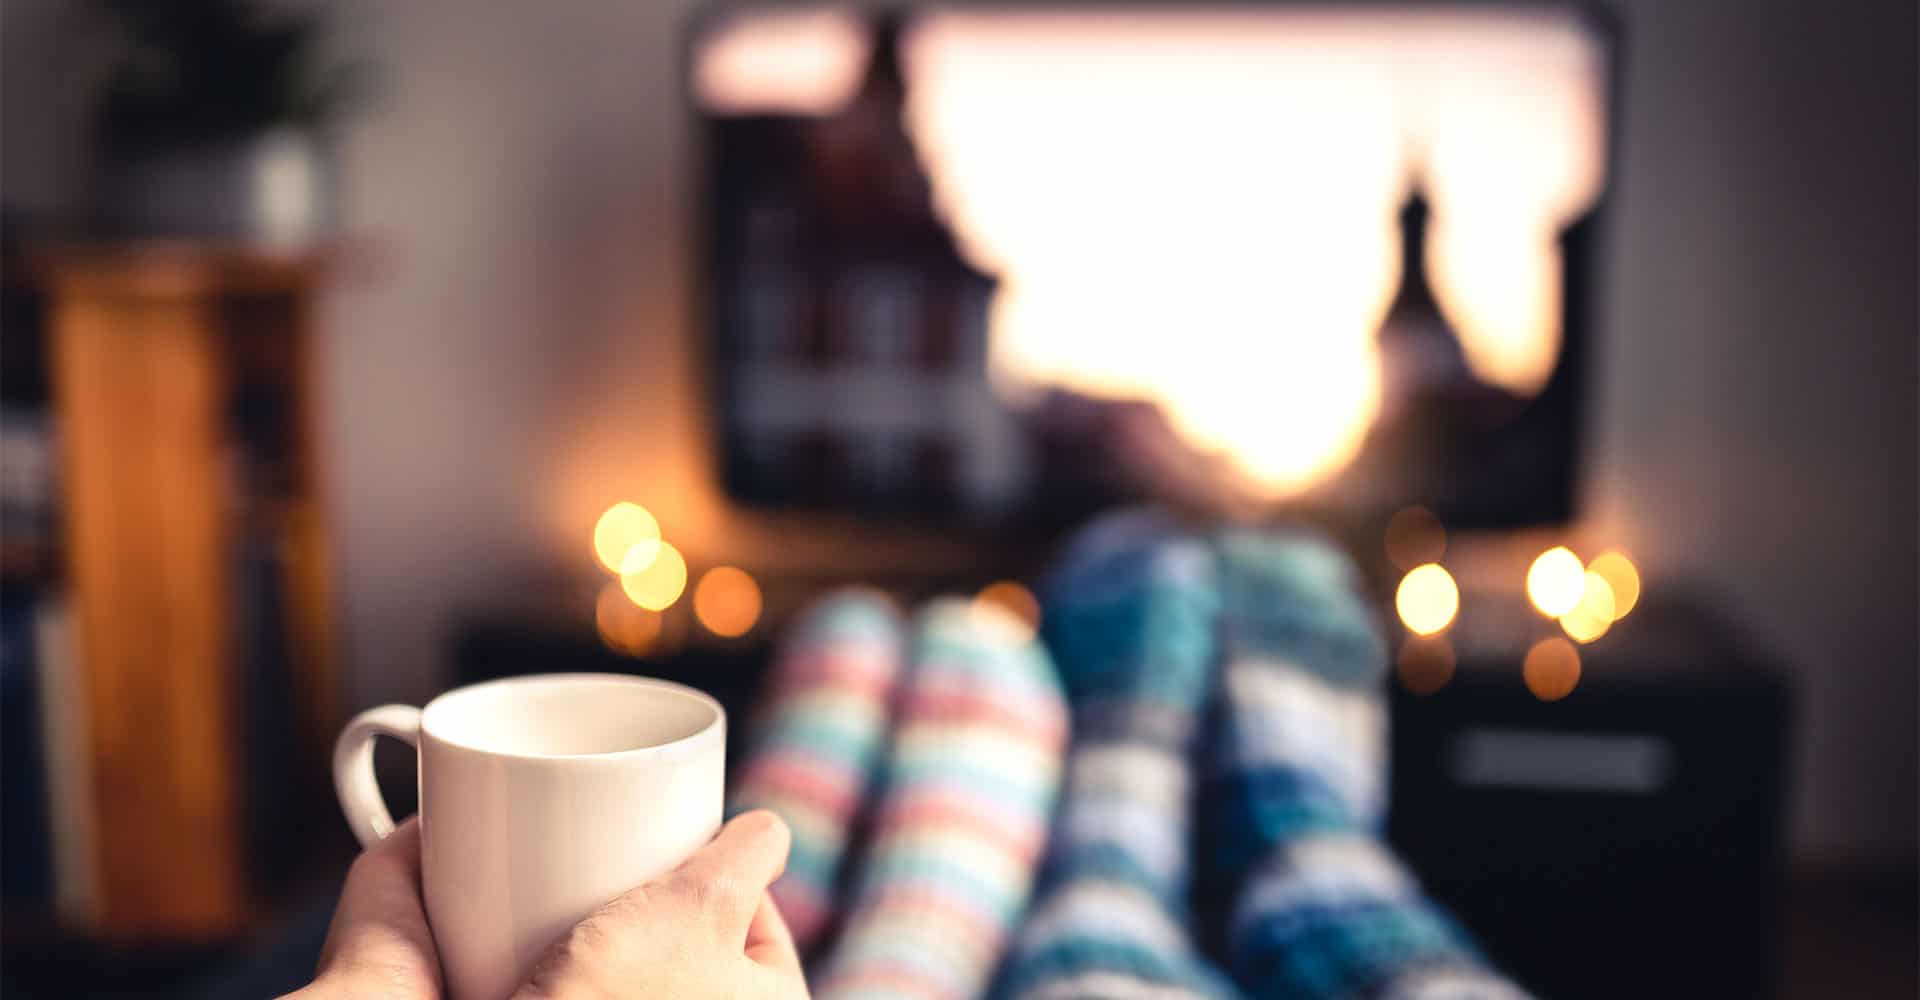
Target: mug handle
[353, 767]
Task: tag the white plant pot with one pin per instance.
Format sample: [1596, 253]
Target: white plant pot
[275, 189]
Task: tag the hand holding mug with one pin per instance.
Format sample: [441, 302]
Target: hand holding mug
[542, 799]
[706, 929]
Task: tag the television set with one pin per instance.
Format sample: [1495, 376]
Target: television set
[982, 263]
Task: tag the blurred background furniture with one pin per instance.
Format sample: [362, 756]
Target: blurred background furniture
[1644, 818]
[193, 555]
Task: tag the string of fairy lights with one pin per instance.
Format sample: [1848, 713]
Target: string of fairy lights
[633, 611]
[649, 578]
[1585, 599]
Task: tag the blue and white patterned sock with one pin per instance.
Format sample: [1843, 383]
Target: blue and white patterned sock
[1320, 907]
[1129, 618]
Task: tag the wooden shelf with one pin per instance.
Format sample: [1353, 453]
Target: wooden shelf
[152, 346]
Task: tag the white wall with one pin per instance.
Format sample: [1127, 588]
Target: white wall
[1756, 413]
[516, 355]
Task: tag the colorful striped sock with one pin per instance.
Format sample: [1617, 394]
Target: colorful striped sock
[970, 783]
[1130, 620]
[817, 739]
[1321, 908]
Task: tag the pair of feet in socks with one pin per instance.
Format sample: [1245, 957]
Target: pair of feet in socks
[1236, 679]
[949, 731]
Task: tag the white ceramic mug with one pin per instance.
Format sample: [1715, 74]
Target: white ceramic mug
[541, 798]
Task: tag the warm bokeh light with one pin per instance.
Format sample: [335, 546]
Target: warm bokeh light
[1414, 536]
[1614, 567]
[999, 622]
[727, 601]
[1427, 599]
[1014, 598]
[623, 528]
[624, 627]
[654, 582]
[1590, 619]
[1425, 664]
[1280, 250]
[1555, 581]
[1552, 669]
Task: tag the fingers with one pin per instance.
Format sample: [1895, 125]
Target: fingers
[769, 942]
[730, 875]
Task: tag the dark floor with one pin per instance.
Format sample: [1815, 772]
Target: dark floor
[1852, 937]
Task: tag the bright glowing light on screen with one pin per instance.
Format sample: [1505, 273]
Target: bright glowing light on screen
[1551, 669]
[654, 581]
[1620, 574]
[1197, 208]
[1593, 616]
[1512, 125]
[795, 61]
[727, 601]
[1427, 599]
[1179, 209]
[1555, 581]
[624, 529]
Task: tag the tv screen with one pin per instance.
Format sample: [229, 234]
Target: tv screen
[1011, 264]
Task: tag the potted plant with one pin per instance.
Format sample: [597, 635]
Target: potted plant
[213, 122]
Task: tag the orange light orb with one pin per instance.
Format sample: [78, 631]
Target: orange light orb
[1012, 597]
[1551, 669]
[727, 601]
[623, 626]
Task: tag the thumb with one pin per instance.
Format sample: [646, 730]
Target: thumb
[731, 874]
[379, 923]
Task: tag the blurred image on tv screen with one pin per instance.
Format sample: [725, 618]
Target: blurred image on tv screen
[986, 263]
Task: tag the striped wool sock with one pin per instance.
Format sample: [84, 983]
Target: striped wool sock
[817, 739]
[1129, 618]
[969, 785]
[1321, 908]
